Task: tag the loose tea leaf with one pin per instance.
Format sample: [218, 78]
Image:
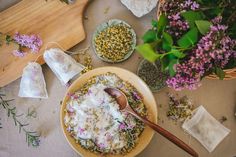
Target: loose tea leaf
[153, 75]
[179, 108]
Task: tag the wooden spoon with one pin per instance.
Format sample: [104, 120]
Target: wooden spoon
[124, 106]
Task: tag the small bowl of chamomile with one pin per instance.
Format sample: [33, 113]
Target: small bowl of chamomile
[114, 41]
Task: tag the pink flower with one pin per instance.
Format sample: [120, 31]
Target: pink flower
[18, 53]
[122, 126]
[101, 145]
[81, 130]
[215, 48]
[32, 42]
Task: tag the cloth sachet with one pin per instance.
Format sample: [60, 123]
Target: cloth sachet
[63, 65]
[205, 128]
[32, 83]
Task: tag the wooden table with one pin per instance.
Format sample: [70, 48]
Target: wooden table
[218, 97]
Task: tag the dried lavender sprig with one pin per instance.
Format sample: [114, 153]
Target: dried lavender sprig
[32, 138]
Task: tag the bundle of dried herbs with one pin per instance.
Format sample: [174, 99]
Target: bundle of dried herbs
[179, 108]
[32, 137]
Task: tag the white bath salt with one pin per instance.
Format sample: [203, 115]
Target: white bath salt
[32, 82]
[140, 7]
[63, 65]
[205, 128]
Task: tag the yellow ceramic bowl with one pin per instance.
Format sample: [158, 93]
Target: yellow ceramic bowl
[149, 101]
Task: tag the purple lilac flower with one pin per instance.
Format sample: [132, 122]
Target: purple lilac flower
[32, 42]
[18, 53]
[177, 23]
[81, 130]
[108, 136]
[189, 4]
[101, 145]
[122, 126]
[215, 48]
[136, 96]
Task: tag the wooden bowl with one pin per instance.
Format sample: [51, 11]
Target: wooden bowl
[149, 101]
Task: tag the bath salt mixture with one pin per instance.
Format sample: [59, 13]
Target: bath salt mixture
[94, 120]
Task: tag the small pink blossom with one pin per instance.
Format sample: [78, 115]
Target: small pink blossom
[18, 53]
[101, 145]
[32, 42]
[122, 126]
[215, 48]
[81, 130]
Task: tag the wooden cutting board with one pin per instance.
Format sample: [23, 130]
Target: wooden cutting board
[52, 20]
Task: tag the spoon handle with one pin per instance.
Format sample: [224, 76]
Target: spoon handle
[166, 134]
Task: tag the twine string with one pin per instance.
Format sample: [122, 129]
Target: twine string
[79, 52]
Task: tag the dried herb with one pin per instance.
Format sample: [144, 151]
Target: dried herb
[32, 137]
[86, 58]
[31, 112]
[114, 42]
[106, 10]
[179, 109]
[152, 74]
[223, 119]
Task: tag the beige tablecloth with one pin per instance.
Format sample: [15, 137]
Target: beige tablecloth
[218, 97]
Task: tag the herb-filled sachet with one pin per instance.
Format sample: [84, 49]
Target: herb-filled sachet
[63, 65]
[32, 83]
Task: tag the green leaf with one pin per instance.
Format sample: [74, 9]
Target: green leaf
[203, 26]
[162, 22]
[149, 36]
[220, 73]
[191, 17]
[232, 31]
[177, 53]
[231, 63]
[147, 51]
[171, 70]
[167, 42]
[188, 39]
[167, 37]
[8, 39]
[165, 60]
[154, 23]
[166, 46]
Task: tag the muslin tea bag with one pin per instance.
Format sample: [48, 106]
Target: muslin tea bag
[205, 128]
[32, 82]
[63, 65]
